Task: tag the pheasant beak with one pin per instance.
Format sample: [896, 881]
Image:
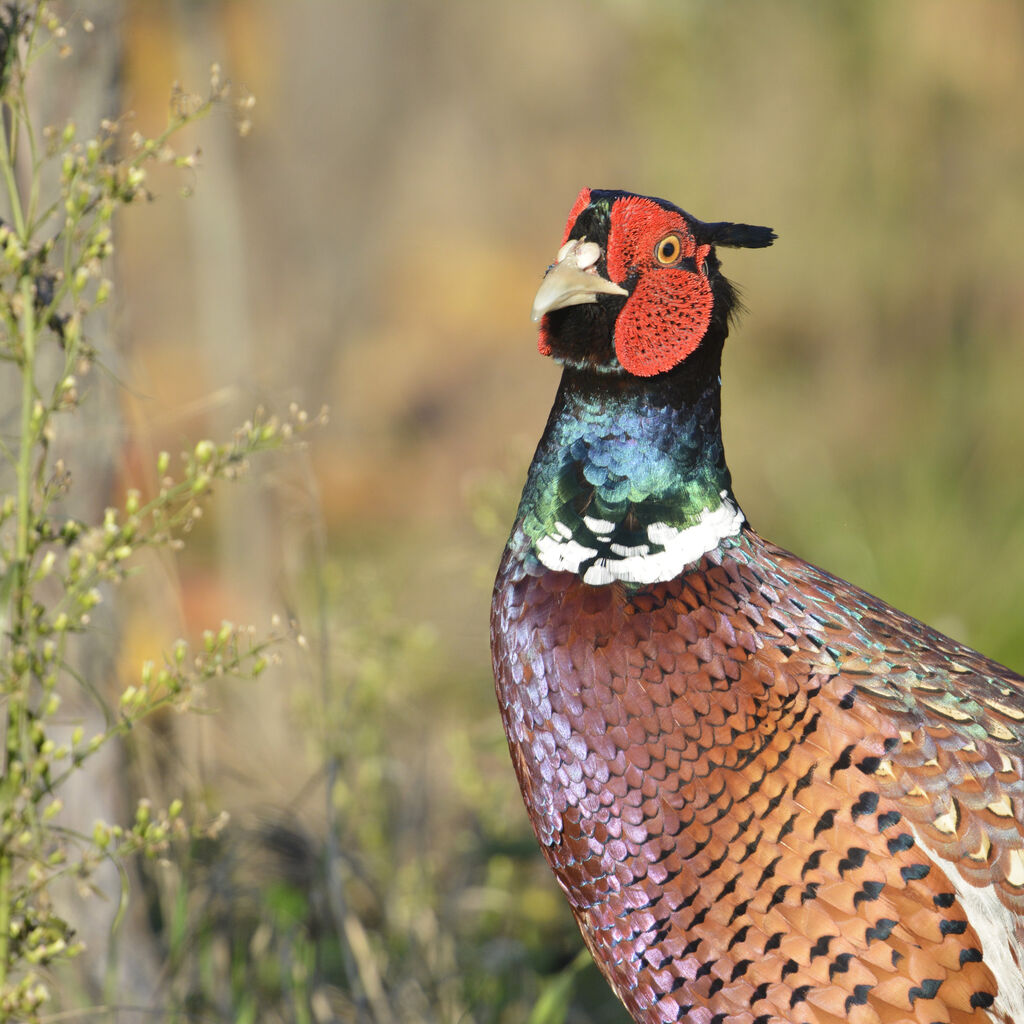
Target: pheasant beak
[573, 280]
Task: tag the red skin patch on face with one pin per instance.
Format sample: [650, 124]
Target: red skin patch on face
[667, 315]
[582, 202]
[543, 344]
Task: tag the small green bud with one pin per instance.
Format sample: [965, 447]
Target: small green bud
[204, 452]
[46, 565]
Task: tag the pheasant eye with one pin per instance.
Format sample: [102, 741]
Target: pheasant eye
[668, 249]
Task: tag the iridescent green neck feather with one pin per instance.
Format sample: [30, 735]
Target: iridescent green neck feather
[629, 481]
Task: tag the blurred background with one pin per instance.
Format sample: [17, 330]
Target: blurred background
[374, 245]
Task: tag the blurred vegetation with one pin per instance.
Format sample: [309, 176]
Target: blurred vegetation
[374, 245]
[60, 193]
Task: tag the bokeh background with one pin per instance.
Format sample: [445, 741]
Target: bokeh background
[374, 245]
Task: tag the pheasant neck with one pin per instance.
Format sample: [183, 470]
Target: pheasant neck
[629, 482]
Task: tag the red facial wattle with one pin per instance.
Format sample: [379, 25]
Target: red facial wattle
[669, 310]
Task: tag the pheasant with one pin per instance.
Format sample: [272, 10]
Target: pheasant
[767, 795]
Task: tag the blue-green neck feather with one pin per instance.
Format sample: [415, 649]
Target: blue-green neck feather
[627, 452]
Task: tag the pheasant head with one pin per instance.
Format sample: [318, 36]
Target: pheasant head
[636, 287]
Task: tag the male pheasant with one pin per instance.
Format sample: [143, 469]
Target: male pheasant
[768, 796]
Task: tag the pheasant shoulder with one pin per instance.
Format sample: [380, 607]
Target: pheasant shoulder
[767, 795]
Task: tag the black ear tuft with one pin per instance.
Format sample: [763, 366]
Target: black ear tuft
[736, 236]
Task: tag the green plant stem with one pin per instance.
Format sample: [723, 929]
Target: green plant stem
[17, 604]
[27, 442]
[19, 599]
[7, 168]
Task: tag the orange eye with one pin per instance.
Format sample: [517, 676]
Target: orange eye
[668, 249]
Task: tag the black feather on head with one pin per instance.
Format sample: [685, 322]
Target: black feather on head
[735, 236]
